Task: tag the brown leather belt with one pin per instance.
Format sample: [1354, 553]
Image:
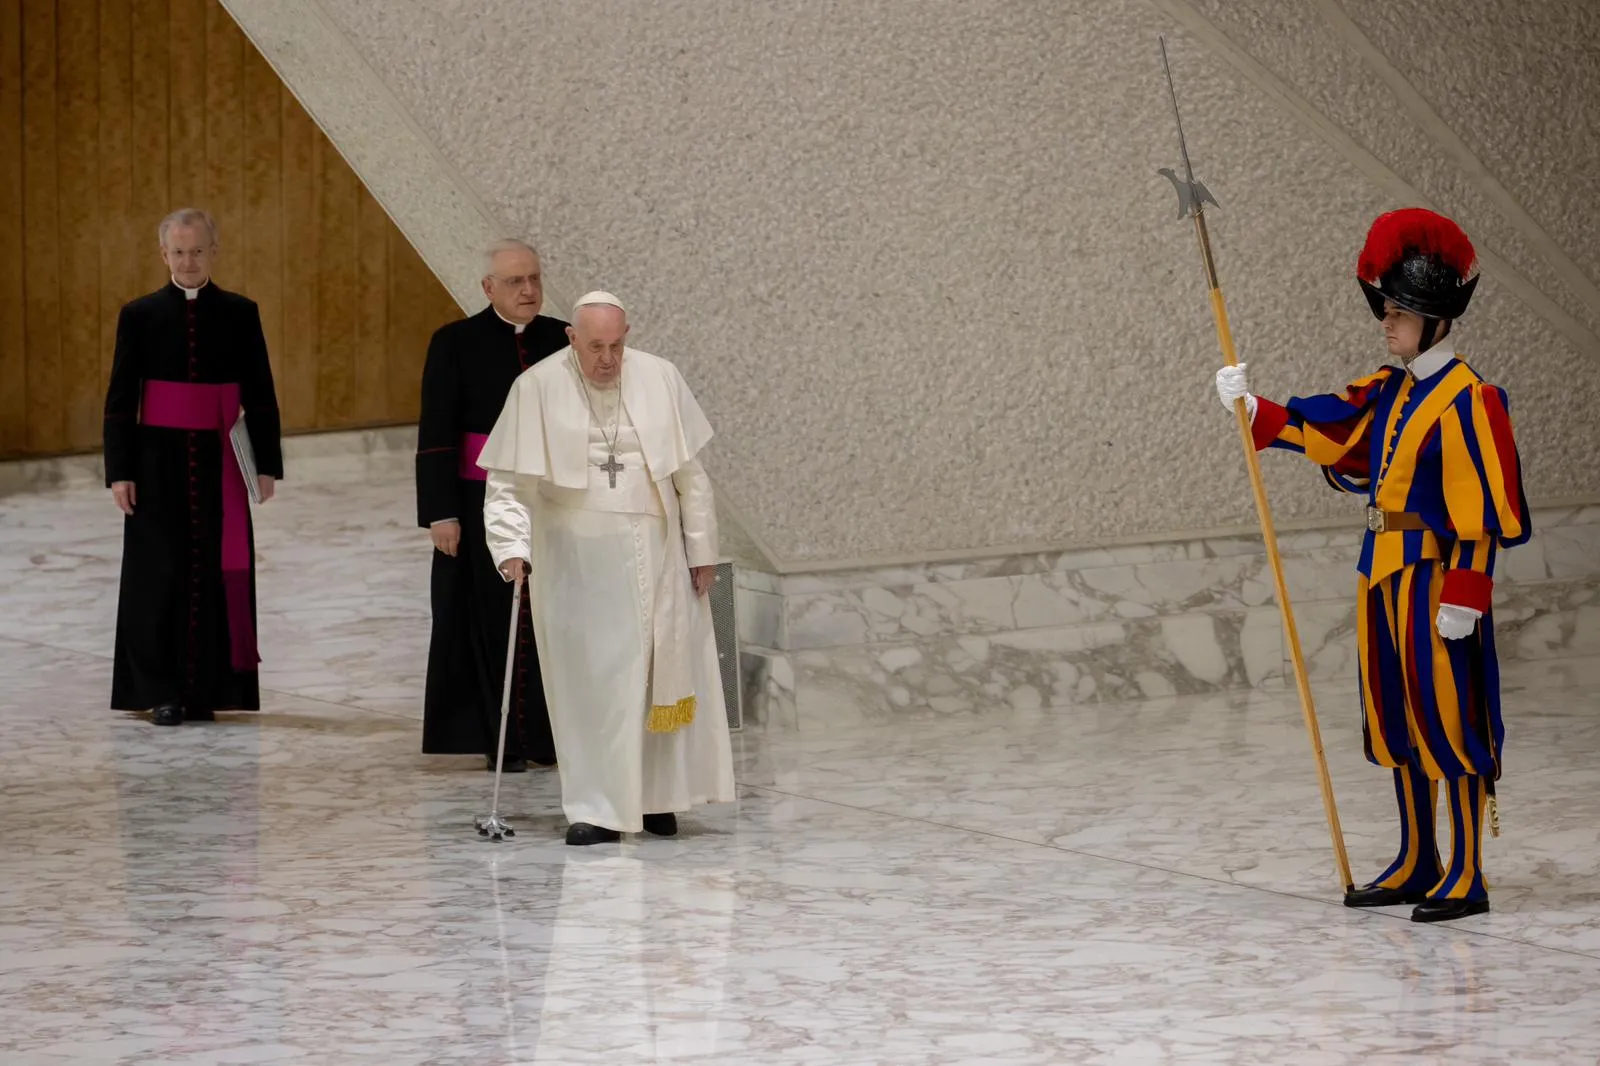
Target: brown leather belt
[1394, 521]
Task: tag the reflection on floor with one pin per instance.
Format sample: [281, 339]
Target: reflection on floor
[1113, 883]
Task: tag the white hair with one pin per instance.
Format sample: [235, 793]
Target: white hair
[509, 244]
[187, 216]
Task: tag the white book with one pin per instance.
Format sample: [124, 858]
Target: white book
[246, 454]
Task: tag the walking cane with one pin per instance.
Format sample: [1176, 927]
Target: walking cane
[1192, 198]
[493, 826]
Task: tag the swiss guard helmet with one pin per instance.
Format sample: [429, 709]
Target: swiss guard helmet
[1420, 260]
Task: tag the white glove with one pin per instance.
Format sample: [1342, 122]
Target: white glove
[1456, 622]
[1232, 385]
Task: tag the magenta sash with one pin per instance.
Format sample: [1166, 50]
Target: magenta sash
[472, 447]
[195, 406]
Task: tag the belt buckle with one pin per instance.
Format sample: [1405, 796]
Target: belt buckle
[1375, 521]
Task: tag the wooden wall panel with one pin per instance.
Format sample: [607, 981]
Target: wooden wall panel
[152, 174]
[223, 192]
[13, 321]
[78, 188]
[297, 393]
[119, 239]
[371, 307]
[336, 285]
[114, 112]
[260, 240]
[411, 302]
[186, 101]
[41, 253]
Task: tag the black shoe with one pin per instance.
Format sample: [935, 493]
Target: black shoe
[544, 762]
[199, 716]
[661, 825]
[1377, 896]
[167, 714]
[582, 834]
[1448, 910]
[513, 765]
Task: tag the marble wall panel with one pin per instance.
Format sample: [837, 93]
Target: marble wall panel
[1127, 582]
[1134, 621]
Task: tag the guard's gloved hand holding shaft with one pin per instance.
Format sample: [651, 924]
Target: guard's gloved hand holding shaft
[1454, 622]
[1233, 385]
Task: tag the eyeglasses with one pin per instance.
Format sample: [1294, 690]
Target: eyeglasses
[517, 281]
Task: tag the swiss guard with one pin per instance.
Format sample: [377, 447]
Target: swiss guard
[1429, 443]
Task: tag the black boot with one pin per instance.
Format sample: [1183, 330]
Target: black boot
[167, 714]
[199, 716]
[1378, 896]
[661, 825]
[582, 834]
[514, 765]
[1448, 910]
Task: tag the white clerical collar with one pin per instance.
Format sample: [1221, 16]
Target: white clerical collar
[518, 326]
[188, 293]
[1433, 360]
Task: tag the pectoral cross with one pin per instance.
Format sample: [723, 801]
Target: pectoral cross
[612, 469]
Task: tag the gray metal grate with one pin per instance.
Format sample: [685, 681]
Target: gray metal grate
[727, 632]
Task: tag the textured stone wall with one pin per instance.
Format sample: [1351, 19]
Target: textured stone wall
[915, 257]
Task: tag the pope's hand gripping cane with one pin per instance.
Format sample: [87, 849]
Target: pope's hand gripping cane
[492, 825]
[1192, 198]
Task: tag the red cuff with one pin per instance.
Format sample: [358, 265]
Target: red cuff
[1269, 422]
[1467, 588]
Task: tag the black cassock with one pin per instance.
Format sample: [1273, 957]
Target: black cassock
[471, 367]
[186, 606]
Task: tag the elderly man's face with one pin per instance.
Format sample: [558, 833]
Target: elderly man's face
[515, 285]
[597, 333]
[188, 252]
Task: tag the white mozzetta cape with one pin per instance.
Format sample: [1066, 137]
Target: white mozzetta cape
[543, 430]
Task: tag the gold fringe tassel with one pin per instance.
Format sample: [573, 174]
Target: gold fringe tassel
[671, 717]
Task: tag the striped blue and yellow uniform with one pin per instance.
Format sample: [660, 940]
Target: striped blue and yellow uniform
[1440, 448]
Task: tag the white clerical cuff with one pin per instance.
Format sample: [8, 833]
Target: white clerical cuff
[442, 521]
[700, 549]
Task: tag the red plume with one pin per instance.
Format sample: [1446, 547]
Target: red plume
[1414, 230]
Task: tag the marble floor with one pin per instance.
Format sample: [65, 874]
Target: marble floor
[1115, 883]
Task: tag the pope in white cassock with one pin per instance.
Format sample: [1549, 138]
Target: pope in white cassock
[596, 497]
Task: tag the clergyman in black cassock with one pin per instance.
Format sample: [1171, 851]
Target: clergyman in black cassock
[470, 369]
[188, 358]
